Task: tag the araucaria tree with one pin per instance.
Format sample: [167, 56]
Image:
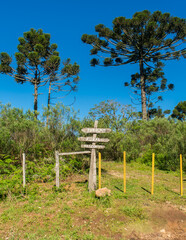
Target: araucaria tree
[38, 61]
[64, 82]
[146, 39]
[155, 85]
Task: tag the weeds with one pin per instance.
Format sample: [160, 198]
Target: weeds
[134, 212]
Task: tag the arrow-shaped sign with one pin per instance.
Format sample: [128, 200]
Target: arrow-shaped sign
[93, 146]
[96, 130]
[91, 139]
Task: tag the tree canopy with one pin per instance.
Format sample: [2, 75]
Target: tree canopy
[146, 39]
[38, 62]
[114, 114]
[179, 111]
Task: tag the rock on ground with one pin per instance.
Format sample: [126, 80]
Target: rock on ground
[102, 192]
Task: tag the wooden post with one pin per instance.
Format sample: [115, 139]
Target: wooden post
[152, 187]
[181, 176]
[99, 170]
[57, 168]
[92, 171]
[24, 171]
[124, 171]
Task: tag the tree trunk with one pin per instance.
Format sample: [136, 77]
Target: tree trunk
[143, 93]
[49, 93]
[48, 105]
[35, 98]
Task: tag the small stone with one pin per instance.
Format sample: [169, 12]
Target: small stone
[183, 208]
[102, 192]
[162, 230]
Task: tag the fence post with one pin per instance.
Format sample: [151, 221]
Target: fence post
[181, 176]
[24, 171]
[124, 171]
[99, 170]
[152, 187]
[57, 168]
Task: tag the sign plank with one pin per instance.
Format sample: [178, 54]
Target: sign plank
[96, 130]
[93, 146]
[91, 139]
[73, 153]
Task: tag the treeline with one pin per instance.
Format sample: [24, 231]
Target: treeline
[59, 129]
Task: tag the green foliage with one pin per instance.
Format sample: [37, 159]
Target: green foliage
[155, 85]
[157, 112]
[7, 164]
[38, 62]
[133, 212]
[35, 50]
[129, 36]
[179, 111]
[146, 39]
[5, 60]
[11, 183]
[64, 81]
[140, 138]
[163, 137]
[104, 202]
[21, 132]
[113, 114]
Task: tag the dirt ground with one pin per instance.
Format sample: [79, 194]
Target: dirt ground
[169, 223]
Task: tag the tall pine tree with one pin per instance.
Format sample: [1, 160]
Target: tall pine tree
[37, 60]
[146, 39]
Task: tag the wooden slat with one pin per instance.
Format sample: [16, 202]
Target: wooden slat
[93, 146]
[91, 139]
[96, 130]
[73, 153]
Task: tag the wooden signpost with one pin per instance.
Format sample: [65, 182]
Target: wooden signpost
[92, 146]
[92, 172]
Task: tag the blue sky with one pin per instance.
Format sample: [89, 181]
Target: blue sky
[66, 21]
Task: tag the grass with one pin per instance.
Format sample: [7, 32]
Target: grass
[73, 213]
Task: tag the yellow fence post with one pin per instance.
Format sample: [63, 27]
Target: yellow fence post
[99, 170]
[181, 176]
[152, 187]
[124, 171]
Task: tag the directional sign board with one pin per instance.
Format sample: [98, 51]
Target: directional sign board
[93, 146]
[91, 139]
[96, 130]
